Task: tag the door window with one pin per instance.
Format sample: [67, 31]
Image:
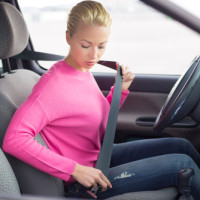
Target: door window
[141, 37]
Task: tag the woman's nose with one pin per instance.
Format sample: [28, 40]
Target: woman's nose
[93, 53]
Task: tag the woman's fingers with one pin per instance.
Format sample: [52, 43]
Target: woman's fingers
[102, 181]
[91, 177]
[127, 77]
[105, 182]
[126, 73]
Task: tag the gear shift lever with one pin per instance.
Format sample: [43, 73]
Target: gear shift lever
[185, 178]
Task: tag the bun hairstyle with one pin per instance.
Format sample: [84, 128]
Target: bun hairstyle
[89, 13]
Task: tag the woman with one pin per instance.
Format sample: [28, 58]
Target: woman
[69, 111]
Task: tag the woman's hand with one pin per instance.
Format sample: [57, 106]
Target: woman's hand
[90, 177]
[127, 77]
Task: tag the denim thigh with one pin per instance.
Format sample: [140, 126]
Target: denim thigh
[150, 174]
[140, 149]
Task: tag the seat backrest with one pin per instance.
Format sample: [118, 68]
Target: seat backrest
[14, 89]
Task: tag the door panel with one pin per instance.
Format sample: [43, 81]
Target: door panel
[136, 117]
[140, 105]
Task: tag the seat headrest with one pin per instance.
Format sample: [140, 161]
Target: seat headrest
[13, 31]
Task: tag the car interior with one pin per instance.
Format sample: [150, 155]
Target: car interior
[149, 111]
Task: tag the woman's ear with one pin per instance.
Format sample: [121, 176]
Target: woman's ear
[68, 37]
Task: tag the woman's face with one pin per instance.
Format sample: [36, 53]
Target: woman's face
[87, 45]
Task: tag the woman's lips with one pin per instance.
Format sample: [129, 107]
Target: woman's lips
[91, 63]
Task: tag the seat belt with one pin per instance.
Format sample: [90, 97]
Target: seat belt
[36, 55]
[103, 161]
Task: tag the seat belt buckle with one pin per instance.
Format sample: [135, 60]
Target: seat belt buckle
[92, 193]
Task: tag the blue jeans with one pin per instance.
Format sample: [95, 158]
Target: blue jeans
[150, 165]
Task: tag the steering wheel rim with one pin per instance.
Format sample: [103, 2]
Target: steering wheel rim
[182, 98]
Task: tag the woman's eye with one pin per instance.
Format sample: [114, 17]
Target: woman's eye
[85, 47]
[101, 47]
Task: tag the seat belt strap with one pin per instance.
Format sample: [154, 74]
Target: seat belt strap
[35, 55]
[103, 161]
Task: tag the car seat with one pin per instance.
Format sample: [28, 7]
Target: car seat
[15, 86]
[8, 182]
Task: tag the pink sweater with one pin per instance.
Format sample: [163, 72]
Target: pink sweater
[70, 112]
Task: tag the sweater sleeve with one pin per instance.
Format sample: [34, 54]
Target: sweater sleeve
[123, 96]
[19, 141]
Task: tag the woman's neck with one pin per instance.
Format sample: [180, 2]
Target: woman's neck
[70, 61]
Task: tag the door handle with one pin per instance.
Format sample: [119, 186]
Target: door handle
[187, 122]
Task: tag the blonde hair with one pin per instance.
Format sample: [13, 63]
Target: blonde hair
[89, 13]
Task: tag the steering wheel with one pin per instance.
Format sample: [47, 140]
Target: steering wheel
[182, 98]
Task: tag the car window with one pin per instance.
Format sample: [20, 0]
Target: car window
[142, 38]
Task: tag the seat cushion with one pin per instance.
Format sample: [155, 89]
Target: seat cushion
[8, 182]
[163, 194]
